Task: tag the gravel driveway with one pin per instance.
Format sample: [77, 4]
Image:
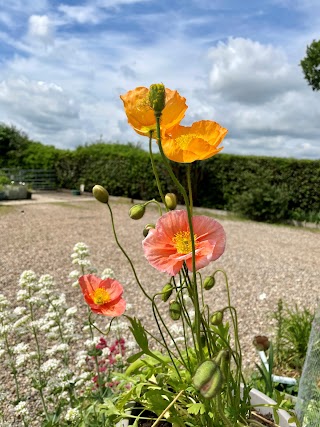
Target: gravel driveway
[280, 262]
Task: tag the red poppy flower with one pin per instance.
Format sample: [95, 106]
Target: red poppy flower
[103, 296]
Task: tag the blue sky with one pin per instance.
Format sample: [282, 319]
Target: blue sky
[63, 66]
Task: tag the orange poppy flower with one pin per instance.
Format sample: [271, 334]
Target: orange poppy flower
[103, 296]
[141, 116]
[199, 142]
[168, 245]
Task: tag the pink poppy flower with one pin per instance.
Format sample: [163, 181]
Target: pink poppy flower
[168, 246]
[103, 296]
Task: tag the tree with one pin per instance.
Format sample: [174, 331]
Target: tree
[311, 65]
[12, 145]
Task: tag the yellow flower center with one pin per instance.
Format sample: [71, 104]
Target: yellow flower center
[143, 104]
[100, 296]
[182, 242]
[184, 140]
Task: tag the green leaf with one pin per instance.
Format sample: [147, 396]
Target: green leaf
[135, 357]
[139, 334]
[196, 408]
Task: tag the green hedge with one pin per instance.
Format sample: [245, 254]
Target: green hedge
[262, 188]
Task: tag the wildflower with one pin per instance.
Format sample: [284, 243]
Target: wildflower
[21, 408]
[141, 115]
[197, 142]
[73, 415]
[103, 296]
[50, 365]
[107, 272]
[169, 245]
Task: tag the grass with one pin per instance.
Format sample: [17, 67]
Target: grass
[4, 210]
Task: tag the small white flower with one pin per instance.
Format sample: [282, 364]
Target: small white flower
[21, 408]
[4, 303]
[107, 273]
[50, 365]
[22, 359]
[71, 311]
[81, 262]
[19, 311]
[131, 345]
[20, 348]
[22, 295]
[106, 352]
[2, 352]
[75, 274]
[21, 321]
[28, 280]
[59, 348]
[72, 415]
[262, 296]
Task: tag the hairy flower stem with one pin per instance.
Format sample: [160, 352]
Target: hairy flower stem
[193, 246]
[189, 186]
[126, 255]
[154, 169]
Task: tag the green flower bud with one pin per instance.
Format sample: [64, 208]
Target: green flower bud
[222, 360]
[137, 211]
[166, 292]
[208, 283]
[171, 201]
[147, 228]
[208, 379]
[174, 310]
[157, 97]
[100, 193]
[216, 318]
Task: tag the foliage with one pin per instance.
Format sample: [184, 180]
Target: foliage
[12, 144]
[311, 65]
[293, 327]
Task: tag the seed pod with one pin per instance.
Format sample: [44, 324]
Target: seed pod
[217, 318]
[208, 379]
[157, 97]
[174, 310]
[171, 201]
[166, 292]
[208, 283]
[137, 211]
[261, 343]
[100, 193]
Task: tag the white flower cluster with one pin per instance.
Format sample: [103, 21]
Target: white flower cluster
[80, 257]
[73, 415]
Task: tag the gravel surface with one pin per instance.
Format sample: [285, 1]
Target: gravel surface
[261, 260]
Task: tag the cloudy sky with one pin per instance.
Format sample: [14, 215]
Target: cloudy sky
[64, 64]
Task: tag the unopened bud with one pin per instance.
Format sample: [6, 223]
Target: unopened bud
[208, 379]
[100, 193]
[157, 97]
[147, 228]
[166, 292]
[175, 310]
[171, 201]
[137, 211]
[261, 343]
[216, 318]
[209, 283]
[222, 359]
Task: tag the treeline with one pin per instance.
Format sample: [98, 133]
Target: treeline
[261, 188]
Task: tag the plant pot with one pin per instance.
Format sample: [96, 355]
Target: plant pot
[256, 398]
[75, 192]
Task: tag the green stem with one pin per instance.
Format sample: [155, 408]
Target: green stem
[156, 202]
[189, 186]
[126, 255]
[95, 357]
[193, 246]
[12, 366]
[154, 169]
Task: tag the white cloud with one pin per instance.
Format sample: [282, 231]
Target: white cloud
[250, 72]
[82, 14]
[41, 28]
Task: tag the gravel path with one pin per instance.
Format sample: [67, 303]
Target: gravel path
[280, 262]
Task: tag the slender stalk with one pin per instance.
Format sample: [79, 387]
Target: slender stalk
[189, 186]
[155, 172]
[193, 246]
[12, 366]
[126, 255]
[95, 357]
[167, 408]
[156, 202]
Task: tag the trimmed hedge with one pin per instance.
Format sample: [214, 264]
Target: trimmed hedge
[262, 188]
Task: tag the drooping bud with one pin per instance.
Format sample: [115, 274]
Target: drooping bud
[100, 193]
[222, 360]
[137, 211]
[209, 283]
[216, 318]
[166, 292]
[261, 343]
[208, 379]
[171, 201]
[174, 310]
[157, 97]
[147, 228]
